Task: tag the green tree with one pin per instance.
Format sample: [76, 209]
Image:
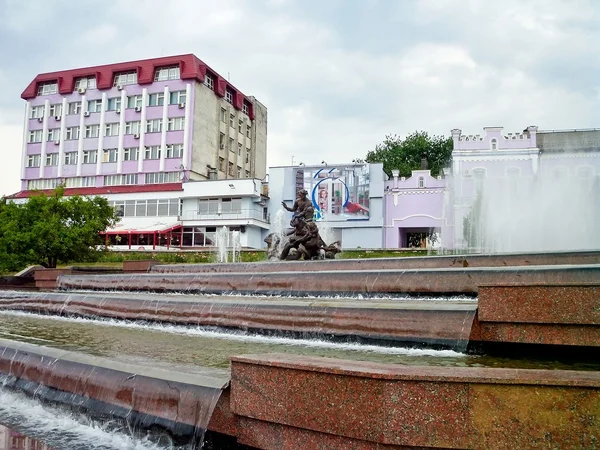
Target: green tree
[48, 229]
[405, 154]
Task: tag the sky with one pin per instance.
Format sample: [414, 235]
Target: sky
[335, 75]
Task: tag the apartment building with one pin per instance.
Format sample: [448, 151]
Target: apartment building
[153, 121]
[175, 148]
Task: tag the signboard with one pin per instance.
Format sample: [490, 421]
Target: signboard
[337, 193]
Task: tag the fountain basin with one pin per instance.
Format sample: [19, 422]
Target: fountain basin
[180, 403]
[403, 263]
[422, 281]
[440, 323]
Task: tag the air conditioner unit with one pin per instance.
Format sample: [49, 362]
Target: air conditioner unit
[40, 119]
[56, 142]
[136, 136]
[56, 117]
[86, 114]
[119, 87]
[182, 105]
[118, 111]
[81, 90]
[138, 109]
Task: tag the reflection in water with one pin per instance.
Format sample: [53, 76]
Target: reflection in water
[13, 440]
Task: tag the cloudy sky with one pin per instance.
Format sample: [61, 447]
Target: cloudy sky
[335, 75]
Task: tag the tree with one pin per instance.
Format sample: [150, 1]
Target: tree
[51, 228]
[405, 154]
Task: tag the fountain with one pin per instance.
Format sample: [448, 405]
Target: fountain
[228, 245]
[334, 353]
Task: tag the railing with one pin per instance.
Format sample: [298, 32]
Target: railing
[243, 214]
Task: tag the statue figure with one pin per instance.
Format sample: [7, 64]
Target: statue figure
[301, 205]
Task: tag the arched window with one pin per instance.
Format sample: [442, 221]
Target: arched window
[421, 182]
[478, 176]
[494, 144]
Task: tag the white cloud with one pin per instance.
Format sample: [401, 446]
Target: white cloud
[333, 97]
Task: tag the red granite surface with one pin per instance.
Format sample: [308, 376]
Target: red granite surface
[549, 304]
[445, 407]
[522, 333]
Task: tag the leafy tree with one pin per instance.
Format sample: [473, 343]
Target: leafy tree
[50, 228]
[405, 154]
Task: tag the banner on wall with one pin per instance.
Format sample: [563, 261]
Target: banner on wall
[337, 193]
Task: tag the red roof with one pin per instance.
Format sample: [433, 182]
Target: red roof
[190, 68]
[107, 190]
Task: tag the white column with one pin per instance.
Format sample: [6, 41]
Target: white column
[25, 139]
[44, 138]
[81, 134]
[163, 134]
[101, 135]
[142, 131]
[61, 145]
[121, 130]
[186, 127]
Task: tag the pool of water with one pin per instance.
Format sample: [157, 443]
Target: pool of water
[172, 346]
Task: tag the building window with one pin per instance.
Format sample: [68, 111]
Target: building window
[33, 161]
[240, 126]
[94, 106]
[421, 182]
[74, 108]
[494, 144]
[92, 131]
[152, 152]
[55, 110]
[163, 177]
[223, 115]
[123, 78]
[248, 132]
[90, 156]
[231, 169]
[209, 81]
[53, 134]
[132, 127]
[134, 101]
[231, 120]
[85, 83]
[110, 155]
[72, 133]
[81, 182]
[112, 180]
[70, 158]
[113, 104]
[239, 172]
[177, 98]
[239, 149]
[131, 154]
[36, 112]
[175, 124]
[154, 126]
[246, 109]
[247, 157]
[166, 73]
[174, 151]
[247, 174]
[229, 95]
[47, 88]
[111, 129]
[156, 99]
[585, 172]
[222, 164]
[222, 141]
[231, 205]
[35, 136]
[130, 178]
[52, 159]
[230, 145]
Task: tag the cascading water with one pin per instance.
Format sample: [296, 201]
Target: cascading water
[279, 227]
[541, 213]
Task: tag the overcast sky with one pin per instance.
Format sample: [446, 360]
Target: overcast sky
[335, 75]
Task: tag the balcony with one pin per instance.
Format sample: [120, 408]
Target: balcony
[240, 214]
